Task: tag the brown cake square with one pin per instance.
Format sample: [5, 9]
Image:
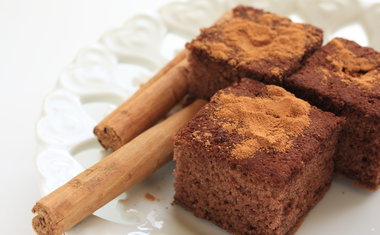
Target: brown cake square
[255, 160]
[344, 78]
[248, 43]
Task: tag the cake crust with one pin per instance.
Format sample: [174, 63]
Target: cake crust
[347, 74]
[344, 78]
[250, 43]
[265, 189]
[206, 132]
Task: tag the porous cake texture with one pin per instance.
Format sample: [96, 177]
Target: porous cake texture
[344, 78]
[255, 160]
[248, 43]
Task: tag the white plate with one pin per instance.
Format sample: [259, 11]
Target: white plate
[105, 74]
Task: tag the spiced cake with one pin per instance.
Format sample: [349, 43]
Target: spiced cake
[248, 43]
[344, 78]
[255, 159]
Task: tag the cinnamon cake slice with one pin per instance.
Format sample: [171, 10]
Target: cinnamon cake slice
[248, 43]
[344, 78]
[255, 160]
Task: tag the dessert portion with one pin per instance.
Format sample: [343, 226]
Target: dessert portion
[344, 78]
[255, 159]
[248, 43]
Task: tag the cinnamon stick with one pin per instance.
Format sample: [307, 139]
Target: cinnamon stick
[93, 188]
[149, 104]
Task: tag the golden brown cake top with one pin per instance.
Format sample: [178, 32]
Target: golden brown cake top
[345, 73]
[252, 35]
[259, 129]
[362, 71]
[266, 123]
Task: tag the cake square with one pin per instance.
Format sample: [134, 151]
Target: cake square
[255, 159]
[344, 78]
[248, 42]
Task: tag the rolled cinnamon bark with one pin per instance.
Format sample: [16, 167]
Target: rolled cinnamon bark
[93, 188]
[149, 104]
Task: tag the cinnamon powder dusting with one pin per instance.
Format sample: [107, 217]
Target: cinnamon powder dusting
[244, 41]
[266, 123]
[362, 71]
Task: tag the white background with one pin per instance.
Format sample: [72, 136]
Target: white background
[37, 39]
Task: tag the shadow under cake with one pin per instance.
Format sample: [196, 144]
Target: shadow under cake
[248, 43]
[344, 78]
[255, 159]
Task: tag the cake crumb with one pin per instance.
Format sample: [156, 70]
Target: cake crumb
[276, 71]
[196, 135]
[207, 134]
[151, 197]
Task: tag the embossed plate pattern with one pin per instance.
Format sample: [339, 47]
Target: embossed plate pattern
[105, 74]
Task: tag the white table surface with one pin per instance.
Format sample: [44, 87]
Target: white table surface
[37, 39]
